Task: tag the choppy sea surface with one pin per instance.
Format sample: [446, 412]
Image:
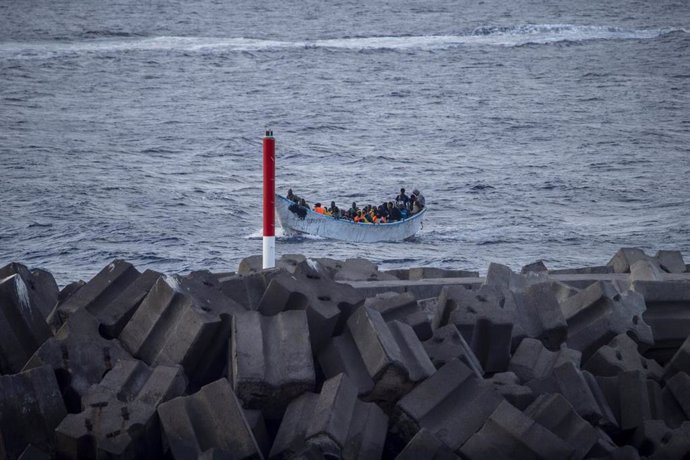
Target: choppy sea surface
[132, 129]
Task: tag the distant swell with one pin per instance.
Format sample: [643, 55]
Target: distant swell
[483, 36]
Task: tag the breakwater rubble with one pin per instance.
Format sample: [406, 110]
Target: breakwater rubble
[322, 358]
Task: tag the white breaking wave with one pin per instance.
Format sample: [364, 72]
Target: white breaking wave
[483, 36]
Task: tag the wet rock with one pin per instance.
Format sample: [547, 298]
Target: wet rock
[270, 360]
[22, 325]
[212, 418]
[30, 408]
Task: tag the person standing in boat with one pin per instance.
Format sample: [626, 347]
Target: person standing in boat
[292, 197]
[402, 198]
[419, 198]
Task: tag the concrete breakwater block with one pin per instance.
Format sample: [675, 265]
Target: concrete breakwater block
[41, 288]
[341, 355]
[30, 408]
[425, 446]
[270, 360]
[119, 418]
[532, 360]
[633, 398]
[328, 304]
[172, 327]
[402, 307]
[598, 313]
[540, 315]
[79, 356]
[554, 412]
[447, 344]
[111, 296]
[22, 325]
[509, 433]
[392, 354]
[680, 362]
[508, 385]
[656, 441]
[210, 419]
[452, 404]
[667, 313]
[621, 355]
[333, 422]
[246, 289]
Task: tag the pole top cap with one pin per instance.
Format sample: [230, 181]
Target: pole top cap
[269, 132]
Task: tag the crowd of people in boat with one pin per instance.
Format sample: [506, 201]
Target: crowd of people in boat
[403, 207]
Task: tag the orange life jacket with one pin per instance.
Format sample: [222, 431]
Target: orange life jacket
[320, 210]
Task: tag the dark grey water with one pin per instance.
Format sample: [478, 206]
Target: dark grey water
[132, 129]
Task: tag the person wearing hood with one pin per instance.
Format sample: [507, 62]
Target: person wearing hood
[419, 198]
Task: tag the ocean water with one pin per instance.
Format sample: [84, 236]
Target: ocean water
[132, 129]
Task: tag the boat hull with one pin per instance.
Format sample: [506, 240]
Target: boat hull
[346, 230]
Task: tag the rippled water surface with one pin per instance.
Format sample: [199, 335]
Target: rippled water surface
[132, 129]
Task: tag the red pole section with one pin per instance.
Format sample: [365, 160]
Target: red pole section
[269, 184]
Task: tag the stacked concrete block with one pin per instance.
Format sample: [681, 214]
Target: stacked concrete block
[257, 423]
[103, 290]
[254, 264]
[598, 313]
[656, 441]
[508, 385]
[540, 315]
[334, 422]
[425, 446]
[212, 418]
[119, 419]
[31, 453]
[358, 269]
[486, 319]
[680, 362]
[341, 356]
[625, 258]
[246, 289]
[402, 307]
[206, 290]
[581, 390]
[171, 327]
[667, 313]
[621, 355]
[554, 412]
[534, 267]
[270, 359]
[41, 288]
[22, 324]
[633, 399]
[79, 356]
[503, 277]
[393, 355]
[532, 360]
[671, 261]
[509, 433]
[327, 303]
[30, 408]
[447, 344]
[452, 404]
[422, 273]
[679, 387]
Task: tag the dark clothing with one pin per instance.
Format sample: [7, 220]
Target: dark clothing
[402, 198]
[394, 215]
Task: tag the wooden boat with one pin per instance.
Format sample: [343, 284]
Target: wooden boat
[314, 223]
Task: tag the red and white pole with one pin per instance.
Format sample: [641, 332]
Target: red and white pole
[269, 143]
